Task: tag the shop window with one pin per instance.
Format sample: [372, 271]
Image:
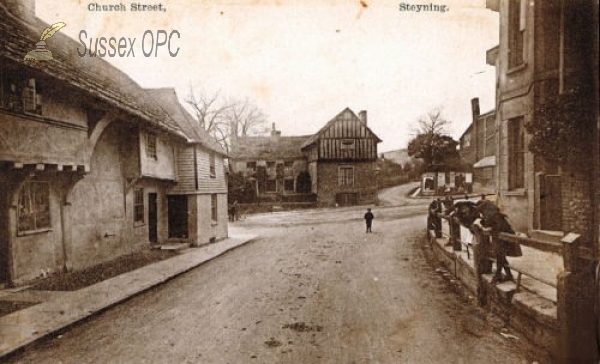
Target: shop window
[138, 205]
[34, 207]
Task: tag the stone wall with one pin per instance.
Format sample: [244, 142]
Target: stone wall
[365, 184]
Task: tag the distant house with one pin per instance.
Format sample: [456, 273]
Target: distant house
[90, 162]
[337, 163]
[478, 149]
[275, 164]
[342, 159]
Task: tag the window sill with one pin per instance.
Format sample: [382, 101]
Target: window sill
[33, 232]
[213, 223]
[516, 192]
[138, 223]
[516, 69]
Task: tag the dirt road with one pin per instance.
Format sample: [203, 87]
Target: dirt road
[313, 289]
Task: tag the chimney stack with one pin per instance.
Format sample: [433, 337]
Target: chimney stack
[362, 115]
[475, 108]
[274, 132]
[23, 9]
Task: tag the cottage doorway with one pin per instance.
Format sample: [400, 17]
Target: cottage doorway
[346, 199]
[152, 218]
[178, 216]
[551, 202]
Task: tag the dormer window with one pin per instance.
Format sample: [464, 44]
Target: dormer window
[348, 144]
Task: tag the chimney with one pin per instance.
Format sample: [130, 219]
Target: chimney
[23, 9]
[274, 132]
[475, 108]
[362, 115]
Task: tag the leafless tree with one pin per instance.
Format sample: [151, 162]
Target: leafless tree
[431, 142]
[226, 119]
[432, 123]
[244, 118]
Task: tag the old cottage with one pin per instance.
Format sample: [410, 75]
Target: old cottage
[87, 160]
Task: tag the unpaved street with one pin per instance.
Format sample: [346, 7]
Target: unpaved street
[313, 289]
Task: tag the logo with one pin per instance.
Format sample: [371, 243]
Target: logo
[40, 53]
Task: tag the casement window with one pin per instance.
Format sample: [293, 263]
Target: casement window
[347, 144]
[346, 176]
[211, 161]
[271, 185]
[213, 208]
[138, 205]
[34, 207]
[251, 166]
[19, 94]
[516, 28]
[151, 146]
[288, 168]
[288, 184]
[516, 153]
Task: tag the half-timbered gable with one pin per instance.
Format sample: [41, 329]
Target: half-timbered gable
[345, 137]
[341, 161]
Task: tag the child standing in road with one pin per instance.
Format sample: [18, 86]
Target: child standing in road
[369, 220]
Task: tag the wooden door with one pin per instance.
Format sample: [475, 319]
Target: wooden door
[551, 202]
[178, 216]
[152, 218]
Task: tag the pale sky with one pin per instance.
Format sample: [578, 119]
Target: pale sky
[302, 62]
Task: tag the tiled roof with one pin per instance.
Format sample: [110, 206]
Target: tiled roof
[167, 99]
[316, 136]
[268, 148]
[93, 75]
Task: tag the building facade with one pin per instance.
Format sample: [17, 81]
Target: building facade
[545, 51]
[478, 149]
[337, 164]
[275, 164]
[87, 159]
[197, 203]
[548, 138]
